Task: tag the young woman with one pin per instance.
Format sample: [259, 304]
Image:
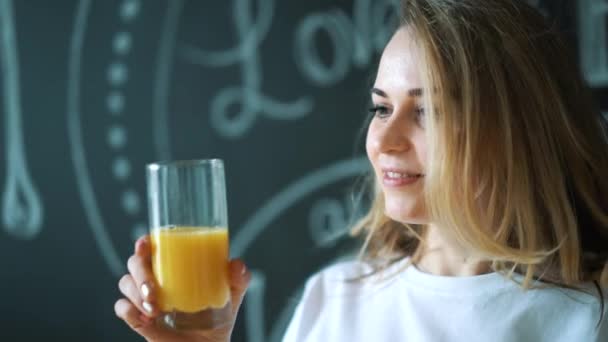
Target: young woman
[490, 217]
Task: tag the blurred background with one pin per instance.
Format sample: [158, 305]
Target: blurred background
[93, 90]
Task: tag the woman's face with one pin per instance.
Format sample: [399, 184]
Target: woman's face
[396, 143]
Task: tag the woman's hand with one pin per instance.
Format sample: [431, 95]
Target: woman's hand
[139, 307]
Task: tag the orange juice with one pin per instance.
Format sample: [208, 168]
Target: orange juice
[191, 268]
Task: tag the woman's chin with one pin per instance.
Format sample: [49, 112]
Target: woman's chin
[401, 218]
[404, 215]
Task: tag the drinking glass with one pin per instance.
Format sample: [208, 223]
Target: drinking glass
[189, 238]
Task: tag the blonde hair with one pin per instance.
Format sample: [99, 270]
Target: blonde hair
[517, 166]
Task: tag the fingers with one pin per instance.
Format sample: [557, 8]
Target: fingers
[240, 278]
[141, 290]
[145, 326]
[127, 287]
[126, 311]
[138, 309]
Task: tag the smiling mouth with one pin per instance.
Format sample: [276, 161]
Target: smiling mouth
[401, 175]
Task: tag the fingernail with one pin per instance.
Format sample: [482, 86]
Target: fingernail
[145, 290]
[147, 306]
[243, 269]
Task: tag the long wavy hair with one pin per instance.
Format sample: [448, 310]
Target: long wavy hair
[517, 167]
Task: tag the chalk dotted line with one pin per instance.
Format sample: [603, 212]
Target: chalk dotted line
[117, 135]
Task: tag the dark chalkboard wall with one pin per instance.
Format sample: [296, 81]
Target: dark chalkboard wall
[94, 90]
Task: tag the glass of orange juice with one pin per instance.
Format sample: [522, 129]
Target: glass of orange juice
[189, 234]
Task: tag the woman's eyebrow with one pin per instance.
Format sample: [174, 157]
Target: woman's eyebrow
[379, 92]
[415, 92]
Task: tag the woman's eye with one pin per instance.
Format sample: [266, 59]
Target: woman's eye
[379, 111]
[419, 111]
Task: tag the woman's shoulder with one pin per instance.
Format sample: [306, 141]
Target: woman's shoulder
[350, 276]
[578, 312]
[344, 269]
[331, 295]
[341, 284]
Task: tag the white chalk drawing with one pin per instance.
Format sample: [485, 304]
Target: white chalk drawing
[254, 309]
[161, 89]
[22, 210]
[360, 41]
[121, 44]
[307, 59]
[83, 181]
[129, 10]
[118, 76]
[121, 168]
[260, 221]
[256, 224]
[592, 15]
[284, 317]
[117, 137]
[246, 54]
[130, 202]
[328, 221]
[354, 41]
[115, 103]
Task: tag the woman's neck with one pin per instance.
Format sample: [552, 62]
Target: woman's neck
[444, 257]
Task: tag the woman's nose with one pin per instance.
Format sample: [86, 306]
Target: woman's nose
[392, 135]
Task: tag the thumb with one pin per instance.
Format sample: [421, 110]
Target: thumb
[240, 278]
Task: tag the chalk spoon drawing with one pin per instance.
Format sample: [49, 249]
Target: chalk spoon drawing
[22, 211]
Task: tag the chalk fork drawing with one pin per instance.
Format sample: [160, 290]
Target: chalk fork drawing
[22, 211]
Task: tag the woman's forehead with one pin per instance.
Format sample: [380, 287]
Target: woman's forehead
[399, 66]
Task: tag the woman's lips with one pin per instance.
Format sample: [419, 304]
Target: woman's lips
[398, 179]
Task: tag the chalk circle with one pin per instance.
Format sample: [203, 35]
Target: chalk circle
[121, 168]
[129, 10]
[121, 44]
[117, 136]
[130, 202]
[115, 103]
[117, 74]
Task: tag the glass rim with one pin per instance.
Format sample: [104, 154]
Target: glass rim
[184, 163]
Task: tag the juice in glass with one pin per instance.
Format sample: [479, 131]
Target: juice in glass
[191, 268]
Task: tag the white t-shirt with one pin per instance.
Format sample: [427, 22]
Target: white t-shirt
[417, 306]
